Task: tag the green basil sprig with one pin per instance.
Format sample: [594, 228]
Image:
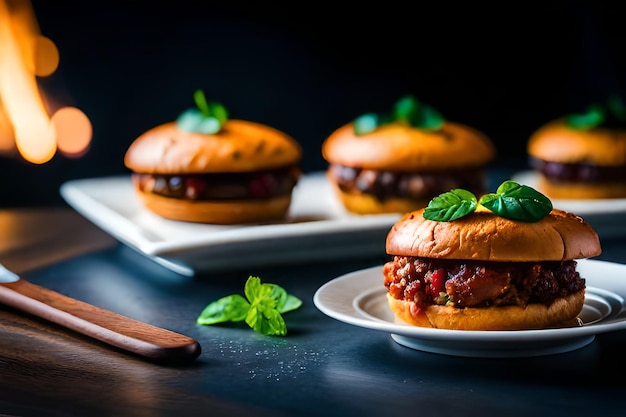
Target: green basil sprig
[610, 113]
[262, 308]
[583, 121]
[511, 201]
[208, 118]
[407, 110]
[450, 206]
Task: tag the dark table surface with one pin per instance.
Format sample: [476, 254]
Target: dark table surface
[322, 367]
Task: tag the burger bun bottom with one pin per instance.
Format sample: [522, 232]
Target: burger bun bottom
[217, 212]
[369, 204]
[581, 191]
[561, 313]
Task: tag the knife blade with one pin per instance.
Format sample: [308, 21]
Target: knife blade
[116, 330]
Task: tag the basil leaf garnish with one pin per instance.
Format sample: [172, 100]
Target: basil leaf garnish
[611, 114]
[207, 118]
[517, 202]
[450, 206]
[583, 121]
[417, 114]
[407, 110]
[511, 201]
[365, 123]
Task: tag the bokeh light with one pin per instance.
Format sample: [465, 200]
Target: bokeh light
[25, 124]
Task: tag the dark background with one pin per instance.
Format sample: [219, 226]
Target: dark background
[307, 67]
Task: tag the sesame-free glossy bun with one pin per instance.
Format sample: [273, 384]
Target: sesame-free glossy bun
[561, 313]
[482, 235]
[600, 147]
[241, 146]
[556, 142]
[400, 147]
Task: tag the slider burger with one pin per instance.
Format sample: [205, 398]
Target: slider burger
[397, 162]
[582, 156]
[505, 262]
[207, 168]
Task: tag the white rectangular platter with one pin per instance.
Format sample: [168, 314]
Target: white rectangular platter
[316, 228]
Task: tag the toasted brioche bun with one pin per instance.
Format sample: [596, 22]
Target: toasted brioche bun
[561, 313]
[484, 236]
[602, 147]
[400, 147]
[240, 147]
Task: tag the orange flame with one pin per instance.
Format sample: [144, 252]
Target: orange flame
[25, 125]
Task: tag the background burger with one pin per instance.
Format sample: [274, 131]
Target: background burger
[478, 270]
[395, 163]
[582, 156]
[207, 168]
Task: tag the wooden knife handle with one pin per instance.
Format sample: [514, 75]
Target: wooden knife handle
[114, 329]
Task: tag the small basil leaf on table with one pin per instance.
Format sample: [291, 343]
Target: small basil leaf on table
[230, 308]
[262, 308]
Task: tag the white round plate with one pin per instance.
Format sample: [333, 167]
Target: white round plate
[359, 298]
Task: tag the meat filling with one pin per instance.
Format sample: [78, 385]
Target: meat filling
[556, 171]
[387, 184]
[428, 281]
[221, 186]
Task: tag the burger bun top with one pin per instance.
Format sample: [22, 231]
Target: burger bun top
[240, 146]
[482, 235]
[399, 146]
[556, 142]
